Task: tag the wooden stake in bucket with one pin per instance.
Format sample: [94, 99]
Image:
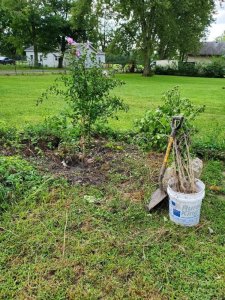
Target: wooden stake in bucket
[159, 195]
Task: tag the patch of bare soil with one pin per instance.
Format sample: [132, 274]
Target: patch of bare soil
[154, 161]
[104, 161]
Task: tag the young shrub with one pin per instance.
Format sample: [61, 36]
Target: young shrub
[216, 68]
[8, 136]
[17, 179]
[87, 90]
[154, 128]
[50, 133]
[212, 144]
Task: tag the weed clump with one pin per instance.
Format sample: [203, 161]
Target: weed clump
[17, 179]
[154, 128]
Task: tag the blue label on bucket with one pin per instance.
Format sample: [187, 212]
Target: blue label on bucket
[183, 213]
[176, 212]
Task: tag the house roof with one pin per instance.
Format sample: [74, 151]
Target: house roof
[31, 49]
[100, 52]
[212, 49]
[81, 45]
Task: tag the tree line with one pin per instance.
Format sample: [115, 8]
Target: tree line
[135, 29]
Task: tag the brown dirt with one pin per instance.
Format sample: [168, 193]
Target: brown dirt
[126, 166]
[102, 161]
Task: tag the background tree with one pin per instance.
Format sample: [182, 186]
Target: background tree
[221, 38]
[191, 20]
[94, 20]
[61, 10]
[6, 46]
[140, 23]
[164, 26]
[31, 23]
[84, 21]
[44, 24]
[121, 49]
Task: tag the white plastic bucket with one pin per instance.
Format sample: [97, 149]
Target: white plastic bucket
[184, 209]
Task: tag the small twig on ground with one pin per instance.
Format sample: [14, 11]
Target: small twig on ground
[143, 256]
[64, 236]
[47, 228]
[7, 230]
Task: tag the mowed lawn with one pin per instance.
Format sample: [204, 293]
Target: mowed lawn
[61, 241]
[18, 95]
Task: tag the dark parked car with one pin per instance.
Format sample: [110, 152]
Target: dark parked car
[5, 60]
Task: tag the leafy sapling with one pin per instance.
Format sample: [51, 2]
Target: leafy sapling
[87, 90]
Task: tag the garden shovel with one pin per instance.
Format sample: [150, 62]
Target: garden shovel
[159, 195]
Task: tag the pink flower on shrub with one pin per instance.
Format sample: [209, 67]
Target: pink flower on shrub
[70, 41]
[78, 53]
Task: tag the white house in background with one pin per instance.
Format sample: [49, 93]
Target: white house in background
[207, 51]
[51, 59]
[46, 60]
[205, 54]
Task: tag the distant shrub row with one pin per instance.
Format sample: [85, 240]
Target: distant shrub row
[214, 69]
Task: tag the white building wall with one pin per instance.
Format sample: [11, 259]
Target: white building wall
[172, 63]
[101, 58]
[199, 59]
[51, 59]
[46, 60]
[166, 63]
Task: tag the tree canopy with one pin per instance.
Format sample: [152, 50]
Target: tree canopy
[165, 28]
[139, 30]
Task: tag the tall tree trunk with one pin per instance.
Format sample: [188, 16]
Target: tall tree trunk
[147, 49]
[35, 54]
[132, 67]
[33, 28]
[147, 69]
[62, 50]
[60, 62]
[148, 37]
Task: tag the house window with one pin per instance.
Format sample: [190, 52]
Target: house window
[31, 57]
[41, 57]
[56, 58]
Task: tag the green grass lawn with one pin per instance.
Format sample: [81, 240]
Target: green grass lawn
[145, 93]
[22, 66]
[89, 242]
[18, 96]
[97, 242]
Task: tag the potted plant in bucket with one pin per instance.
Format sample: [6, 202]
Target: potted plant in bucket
[185, 190]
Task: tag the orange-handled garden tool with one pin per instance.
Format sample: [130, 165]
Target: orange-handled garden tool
[159, 195]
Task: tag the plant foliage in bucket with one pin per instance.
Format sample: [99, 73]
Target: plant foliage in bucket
[185, 190]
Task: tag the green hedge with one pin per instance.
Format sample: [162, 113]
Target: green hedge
[214, 69]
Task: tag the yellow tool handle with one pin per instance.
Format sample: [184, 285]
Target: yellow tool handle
[164, 165]
[170, 143]
[175, 125]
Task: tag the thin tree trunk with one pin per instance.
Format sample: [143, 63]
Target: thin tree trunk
[148, 36]
[63, 49]
[35, 55]
[60, 62]
[35, 45]
[132, 68]
[147, 69]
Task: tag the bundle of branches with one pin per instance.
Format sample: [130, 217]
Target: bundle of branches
[185, 179]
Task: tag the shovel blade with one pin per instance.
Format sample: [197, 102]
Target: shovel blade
[156, 198]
